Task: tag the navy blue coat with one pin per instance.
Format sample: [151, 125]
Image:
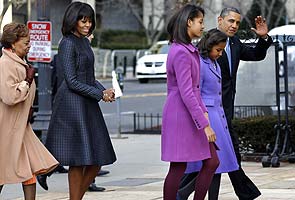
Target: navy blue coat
[77, 133]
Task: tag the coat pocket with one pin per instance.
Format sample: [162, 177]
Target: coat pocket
[209, 102]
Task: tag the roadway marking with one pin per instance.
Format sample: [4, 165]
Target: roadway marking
[144, 95]
[122, 113]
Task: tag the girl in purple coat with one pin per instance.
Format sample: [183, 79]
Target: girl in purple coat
[186, 132]
[211, 47]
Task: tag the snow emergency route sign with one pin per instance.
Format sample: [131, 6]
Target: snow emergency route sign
[40, 37]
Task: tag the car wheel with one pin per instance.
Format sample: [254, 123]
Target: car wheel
[143, 80]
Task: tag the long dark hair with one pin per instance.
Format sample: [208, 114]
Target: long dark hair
[177, 25]
[74, 12]
[211, 38]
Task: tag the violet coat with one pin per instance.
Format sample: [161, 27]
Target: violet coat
[183, 136]
[210, 83]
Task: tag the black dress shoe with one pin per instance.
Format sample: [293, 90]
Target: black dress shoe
[60, 169]
[93, 188]
[42, 180]
[103, 172]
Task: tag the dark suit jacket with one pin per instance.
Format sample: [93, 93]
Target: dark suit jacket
[239, 51]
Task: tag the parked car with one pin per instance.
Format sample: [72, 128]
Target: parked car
[153, 64]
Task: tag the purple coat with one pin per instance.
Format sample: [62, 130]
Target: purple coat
[211, 95]
[183, 136]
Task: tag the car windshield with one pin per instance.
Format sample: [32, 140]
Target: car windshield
[159, 49]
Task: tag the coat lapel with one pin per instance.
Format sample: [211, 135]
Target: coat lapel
[216, 71]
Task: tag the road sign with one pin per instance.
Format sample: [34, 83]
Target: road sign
[40, 36]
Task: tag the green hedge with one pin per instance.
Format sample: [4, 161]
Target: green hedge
[256, 132]
[117, 39]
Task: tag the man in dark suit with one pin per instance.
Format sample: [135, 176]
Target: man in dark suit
[228, 22]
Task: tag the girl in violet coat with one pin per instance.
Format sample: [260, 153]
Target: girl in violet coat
[186, 132]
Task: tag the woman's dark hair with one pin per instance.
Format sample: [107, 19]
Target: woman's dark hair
[210, 39]
[12, 32]
[74, 12]
[177, 25]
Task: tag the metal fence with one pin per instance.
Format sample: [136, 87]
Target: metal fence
[147, 123]
[151, 123]
[253, 111]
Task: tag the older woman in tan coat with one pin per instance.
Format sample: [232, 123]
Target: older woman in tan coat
[22, 155]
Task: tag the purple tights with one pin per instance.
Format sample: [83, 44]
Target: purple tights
[203, 179]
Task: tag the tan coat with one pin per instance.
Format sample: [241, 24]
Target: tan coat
[21, 152]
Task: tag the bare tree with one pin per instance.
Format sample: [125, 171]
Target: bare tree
[156, 19]
[158, 16]
[6, 4]
[268, 9]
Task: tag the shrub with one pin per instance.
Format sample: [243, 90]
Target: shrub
[256, 132]
[118, 39]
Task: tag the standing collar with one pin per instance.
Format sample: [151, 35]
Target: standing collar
[189, 46]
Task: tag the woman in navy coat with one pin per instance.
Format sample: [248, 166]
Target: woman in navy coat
[77, 134]
[186, 132]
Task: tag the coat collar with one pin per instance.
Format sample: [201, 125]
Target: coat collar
[190, 47]
[209, 63]
[14, 57]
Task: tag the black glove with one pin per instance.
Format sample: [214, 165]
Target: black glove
[31, 116]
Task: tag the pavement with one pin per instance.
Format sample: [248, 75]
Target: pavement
[139, 173]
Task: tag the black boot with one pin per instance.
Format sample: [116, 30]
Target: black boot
[103, 172]
[60, 169]
[1, 186]
[93, 188]
[42, 180]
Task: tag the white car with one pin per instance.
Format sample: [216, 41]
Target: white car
[153, 64]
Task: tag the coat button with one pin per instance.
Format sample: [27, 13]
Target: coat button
[221, 105]
[219, 81]
[219, 93]
[226, 127]
[198, 86]
[222, 116]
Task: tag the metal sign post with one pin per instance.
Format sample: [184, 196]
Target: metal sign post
[40, 53]
[118, 85]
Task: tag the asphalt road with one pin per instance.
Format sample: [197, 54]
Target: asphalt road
[137, 98]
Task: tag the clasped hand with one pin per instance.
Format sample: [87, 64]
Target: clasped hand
[109, 95]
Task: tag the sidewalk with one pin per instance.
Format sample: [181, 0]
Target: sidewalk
[138, 174]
